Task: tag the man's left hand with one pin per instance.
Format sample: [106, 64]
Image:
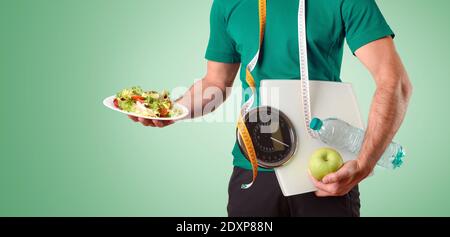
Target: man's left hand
[342, 181]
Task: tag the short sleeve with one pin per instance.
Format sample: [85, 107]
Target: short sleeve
[221, 47]
[364, 23]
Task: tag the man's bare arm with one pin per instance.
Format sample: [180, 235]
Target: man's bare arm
[219, 77]
[389, 105]
[390, 102]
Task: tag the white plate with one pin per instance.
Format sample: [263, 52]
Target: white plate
[109, 102]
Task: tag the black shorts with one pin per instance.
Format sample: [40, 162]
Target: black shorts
[265, 199]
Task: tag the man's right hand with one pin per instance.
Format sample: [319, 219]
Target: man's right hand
[151, 122]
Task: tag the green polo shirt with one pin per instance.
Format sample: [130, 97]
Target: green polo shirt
[235, 31]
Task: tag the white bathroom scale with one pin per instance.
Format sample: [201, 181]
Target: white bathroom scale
[328, 99]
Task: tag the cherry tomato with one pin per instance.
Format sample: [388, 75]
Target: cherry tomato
[163, 112]
[138, 98]
[116, 103]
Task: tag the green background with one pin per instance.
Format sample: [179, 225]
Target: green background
[64, 154]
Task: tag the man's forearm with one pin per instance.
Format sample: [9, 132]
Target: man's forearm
[387, 112]
[209, 93]
[203, 97]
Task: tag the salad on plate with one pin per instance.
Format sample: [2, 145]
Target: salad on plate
[146, 103]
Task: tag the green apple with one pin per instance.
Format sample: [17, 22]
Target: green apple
[324, 161]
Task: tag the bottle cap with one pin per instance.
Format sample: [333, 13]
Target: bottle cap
[316, 124]
[398, 159]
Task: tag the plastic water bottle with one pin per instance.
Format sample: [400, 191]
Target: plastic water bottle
[342, 135]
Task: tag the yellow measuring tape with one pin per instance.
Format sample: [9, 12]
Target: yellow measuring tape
[242, 128]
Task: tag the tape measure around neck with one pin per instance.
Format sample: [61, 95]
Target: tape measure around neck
[304, 71]
[303, 58]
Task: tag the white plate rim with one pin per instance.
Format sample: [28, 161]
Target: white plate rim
[109, 103]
